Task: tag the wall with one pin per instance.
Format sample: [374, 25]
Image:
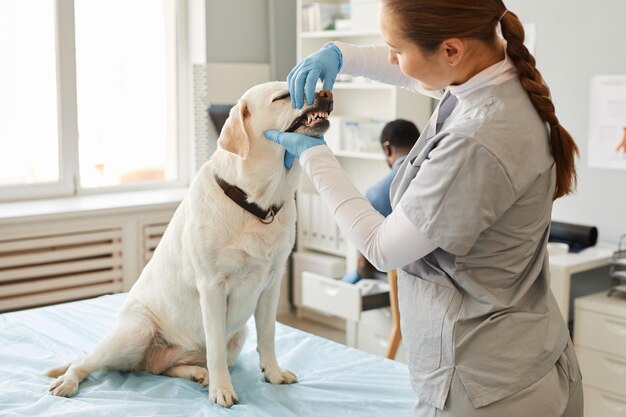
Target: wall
[282, 37]
[577, 39]
[237, 31]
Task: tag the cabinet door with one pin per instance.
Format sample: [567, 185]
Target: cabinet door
[602, 370]
[600, 332]
[599, 403]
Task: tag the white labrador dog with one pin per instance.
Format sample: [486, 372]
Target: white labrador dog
[217, 263]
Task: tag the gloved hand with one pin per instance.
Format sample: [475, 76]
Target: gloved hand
[323, 64]
[294, 143]
[351, 277]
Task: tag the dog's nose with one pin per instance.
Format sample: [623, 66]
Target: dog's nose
[327, 94]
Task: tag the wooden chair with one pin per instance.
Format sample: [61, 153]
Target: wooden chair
[396, 336]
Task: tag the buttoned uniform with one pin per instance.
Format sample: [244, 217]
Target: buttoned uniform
[480, 305]
[478, 184]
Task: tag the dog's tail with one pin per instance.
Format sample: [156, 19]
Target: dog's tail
[57, 371]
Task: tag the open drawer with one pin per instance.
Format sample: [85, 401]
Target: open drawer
[338, 298]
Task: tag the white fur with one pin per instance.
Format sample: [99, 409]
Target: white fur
[215, 267]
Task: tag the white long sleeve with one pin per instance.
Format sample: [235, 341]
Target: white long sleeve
[372, 61]
[387, 243]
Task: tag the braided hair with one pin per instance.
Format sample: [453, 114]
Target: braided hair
[427, 23]
[562, 143]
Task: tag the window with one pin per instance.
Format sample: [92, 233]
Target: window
[89, 94]
[28, 95]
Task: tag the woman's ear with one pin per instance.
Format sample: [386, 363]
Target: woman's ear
[454, 50]
[234, 136]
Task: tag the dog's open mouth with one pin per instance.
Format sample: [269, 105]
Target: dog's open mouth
[314, 121]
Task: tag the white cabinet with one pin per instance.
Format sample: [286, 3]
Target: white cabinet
[600, 342]
[338, 298]
[368, 105]
[564, 266]
[357, 99]
[373, 333]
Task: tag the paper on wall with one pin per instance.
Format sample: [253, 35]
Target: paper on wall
[607, 122]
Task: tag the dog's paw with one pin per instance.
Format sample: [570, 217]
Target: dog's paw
[201, 376]
[280, 376]
[225, 397]
[64, 387]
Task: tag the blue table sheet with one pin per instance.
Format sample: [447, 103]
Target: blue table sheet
[334, 379]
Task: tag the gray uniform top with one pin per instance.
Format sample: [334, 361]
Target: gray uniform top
[480, 305]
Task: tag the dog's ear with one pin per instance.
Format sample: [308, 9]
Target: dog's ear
[234, 137]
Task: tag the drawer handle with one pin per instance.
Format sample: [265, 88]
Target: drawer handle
[617, 327]
[617, 366]
[331, 290]
[614, 403]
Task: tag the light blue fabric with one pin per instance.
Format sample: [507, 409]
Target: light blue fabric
[294, 144]
[378, 194]
[335, 380]
[351, 277]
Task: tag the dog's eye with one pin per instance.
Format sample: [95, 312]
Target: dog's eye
[284, 96]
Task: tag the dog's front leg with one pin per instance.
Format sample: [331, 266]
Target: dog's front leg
[265, 320]
[213, 306]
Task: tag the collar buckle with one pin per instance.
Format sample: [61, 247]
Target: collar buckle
[269, 218]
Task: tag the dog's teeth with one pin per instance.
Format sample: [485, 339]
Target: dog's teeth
[313, 116]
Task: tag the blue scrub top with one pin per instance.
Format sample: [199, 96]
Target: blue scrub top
[378, 194]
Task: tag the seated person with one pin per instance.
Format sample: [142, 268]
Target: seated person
[396, 139]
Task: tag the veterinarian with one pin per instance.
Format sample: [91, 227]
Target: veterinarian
[396, 140]
[471, 207]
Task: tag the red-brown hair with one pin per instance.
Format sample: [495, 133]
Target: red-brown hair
[427, 23]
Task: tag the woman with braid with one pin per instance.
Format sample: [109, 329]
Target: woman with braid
[471, 207]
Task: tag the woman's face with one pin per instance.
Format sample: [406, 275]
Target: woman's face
[430, 68]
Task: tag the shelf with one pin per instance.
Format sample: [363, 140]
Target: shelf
[337, 34]
[323, 249]
[619, 275]
[372, 156]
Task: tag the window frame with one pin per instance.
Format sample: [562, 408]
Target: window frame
[67, 114]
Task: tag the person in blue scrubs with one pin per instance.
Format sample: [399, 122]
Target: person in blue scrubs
[397, 138]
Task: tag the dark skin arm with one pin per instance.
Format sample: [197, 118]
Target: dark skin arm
[364, 268]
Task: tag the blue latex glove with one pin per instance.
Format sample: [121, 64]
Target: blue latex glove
[294, 143]
[351, 277]
[323, 64]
